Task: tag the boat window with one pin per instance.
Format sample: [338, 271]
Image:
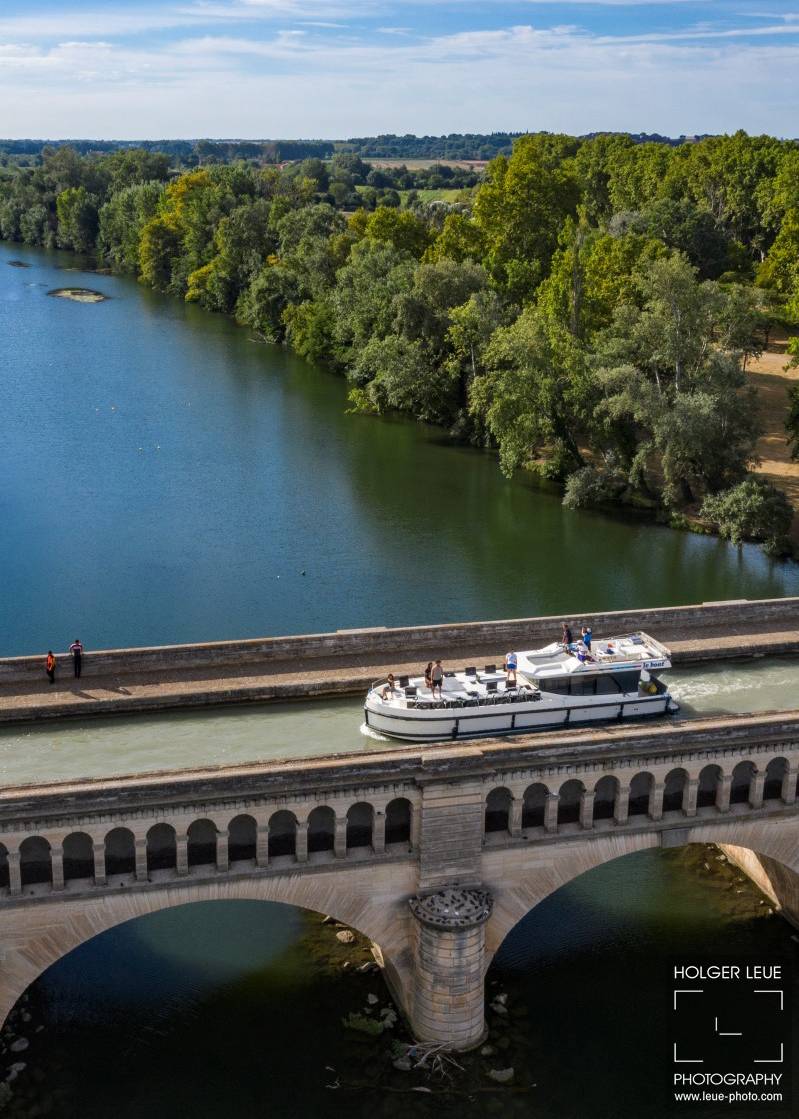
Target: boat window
[627, 681]
[559, 685]
[585, 686]
[607, 685]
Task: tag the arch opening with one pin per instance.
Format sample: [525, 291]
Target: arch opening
[497, 810]
[120, 852]
[201, 838]
[242, 838]
[282, 834]
[606, 792]
[360, 825]
[162, 848]
[321, 830]
[534, 805]
[35, 861]
[78, 849]
[569, 801]
[399, 814]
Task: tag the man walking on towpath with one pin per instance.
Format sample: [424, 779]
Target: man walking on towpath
[77, 657]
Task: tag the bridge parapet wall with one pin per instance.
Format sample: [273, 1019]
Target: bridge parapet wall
[407, 640]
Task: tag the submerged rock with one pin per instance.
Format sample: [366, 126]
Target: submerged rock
[345, 936]
[487, 1051]
[501, 1075]
[17, 264]
[20, 1045]
[404, 1064]
[373, 1000]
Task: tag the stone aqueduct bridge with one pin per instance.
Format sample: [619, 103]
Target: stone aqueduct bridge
[433, 853]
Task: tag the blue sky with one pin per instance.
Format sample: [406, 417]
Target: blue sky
[336, 68]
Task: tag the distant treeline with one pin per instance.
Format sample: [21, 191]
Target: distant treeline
[587, 309]
[187, 153]
[190, 153]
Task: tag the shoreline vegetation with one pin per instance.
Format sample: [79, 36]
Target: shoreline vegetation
[596, 310]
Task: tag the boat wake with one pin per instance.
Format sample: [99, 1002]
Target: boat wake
[368, 732]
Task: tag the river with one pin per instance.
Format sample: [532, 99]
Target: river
[165, 478]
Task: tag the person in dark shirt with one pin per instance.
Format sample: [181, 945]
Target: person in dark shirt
[566, 636]
[77, 657]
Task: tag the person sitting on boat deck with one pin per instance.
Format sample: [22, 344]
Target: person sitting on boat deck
[586, 635]
[428, 676]
[388, 687]
[566, 636]
[510, 667]
[437, 679]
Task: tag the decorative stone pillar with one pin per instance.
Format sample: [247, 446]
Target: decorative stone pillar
[621, 809]
[222, 852]
[99, 864]
[301, 842]
[789, 778]
[14, 874]
[57, 868]
[551, 812]
[340, 841]
[182, 855]
[379, 833]
[756, 789]
[515, 820]
[141, 860]
[690, 795]
[586, 809]
[447, 998]
[723, 792]
[656, 801]
[262, 845]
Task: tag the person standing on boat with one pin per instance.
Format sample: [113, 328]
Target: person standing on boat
[511, 663]
[388, 687]
[428, 676]
[437, 679]
[586, 635]
[566, 636]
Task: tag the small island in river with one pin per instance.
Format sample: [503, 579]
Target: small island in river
[79, 295]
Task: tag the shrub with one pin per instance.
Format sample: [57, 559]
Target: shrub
[752, 510]
[590, 486]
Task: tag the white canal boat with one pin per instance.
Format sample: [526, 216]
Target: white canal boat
[554, 687]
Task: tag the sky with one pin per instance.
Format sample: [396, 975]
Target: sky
[153, 69]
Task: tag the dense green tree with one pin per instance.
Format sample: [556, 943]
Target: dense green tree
[77, 219]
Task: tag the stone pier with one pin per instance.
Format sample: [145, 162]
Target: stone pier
[446, 1000]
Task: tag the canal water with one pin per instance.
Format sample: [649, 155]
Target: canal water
[165, 478]
[226, 736]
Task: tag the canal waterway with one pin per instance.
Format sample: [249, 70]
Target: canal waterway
[166, 478]
[225, 736]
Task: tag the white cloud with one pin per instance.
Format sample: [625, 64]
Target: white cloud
[303, 83]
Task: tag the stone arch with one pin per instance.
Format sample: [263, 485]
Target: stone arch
[120, 852]
[569, 800]
[162, 848]
[282, 833]
[201, 837]
[674, 789]
[35, 860]
[534, 805]
[742, 777]
[522, 882]
[708, 788]
[360, 825]
[641, 788]
[497, 810]
[78, 850]
[399, 821]
[4, 877]
[321, 830]
[775, 775]
[242, 838]
[378, 910]
[606, 792]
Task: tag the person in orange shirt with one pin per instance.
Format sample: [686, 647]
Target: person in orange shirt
[49, 666]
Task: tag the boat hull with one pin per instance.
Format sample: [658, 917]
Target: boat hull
[454, 724]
